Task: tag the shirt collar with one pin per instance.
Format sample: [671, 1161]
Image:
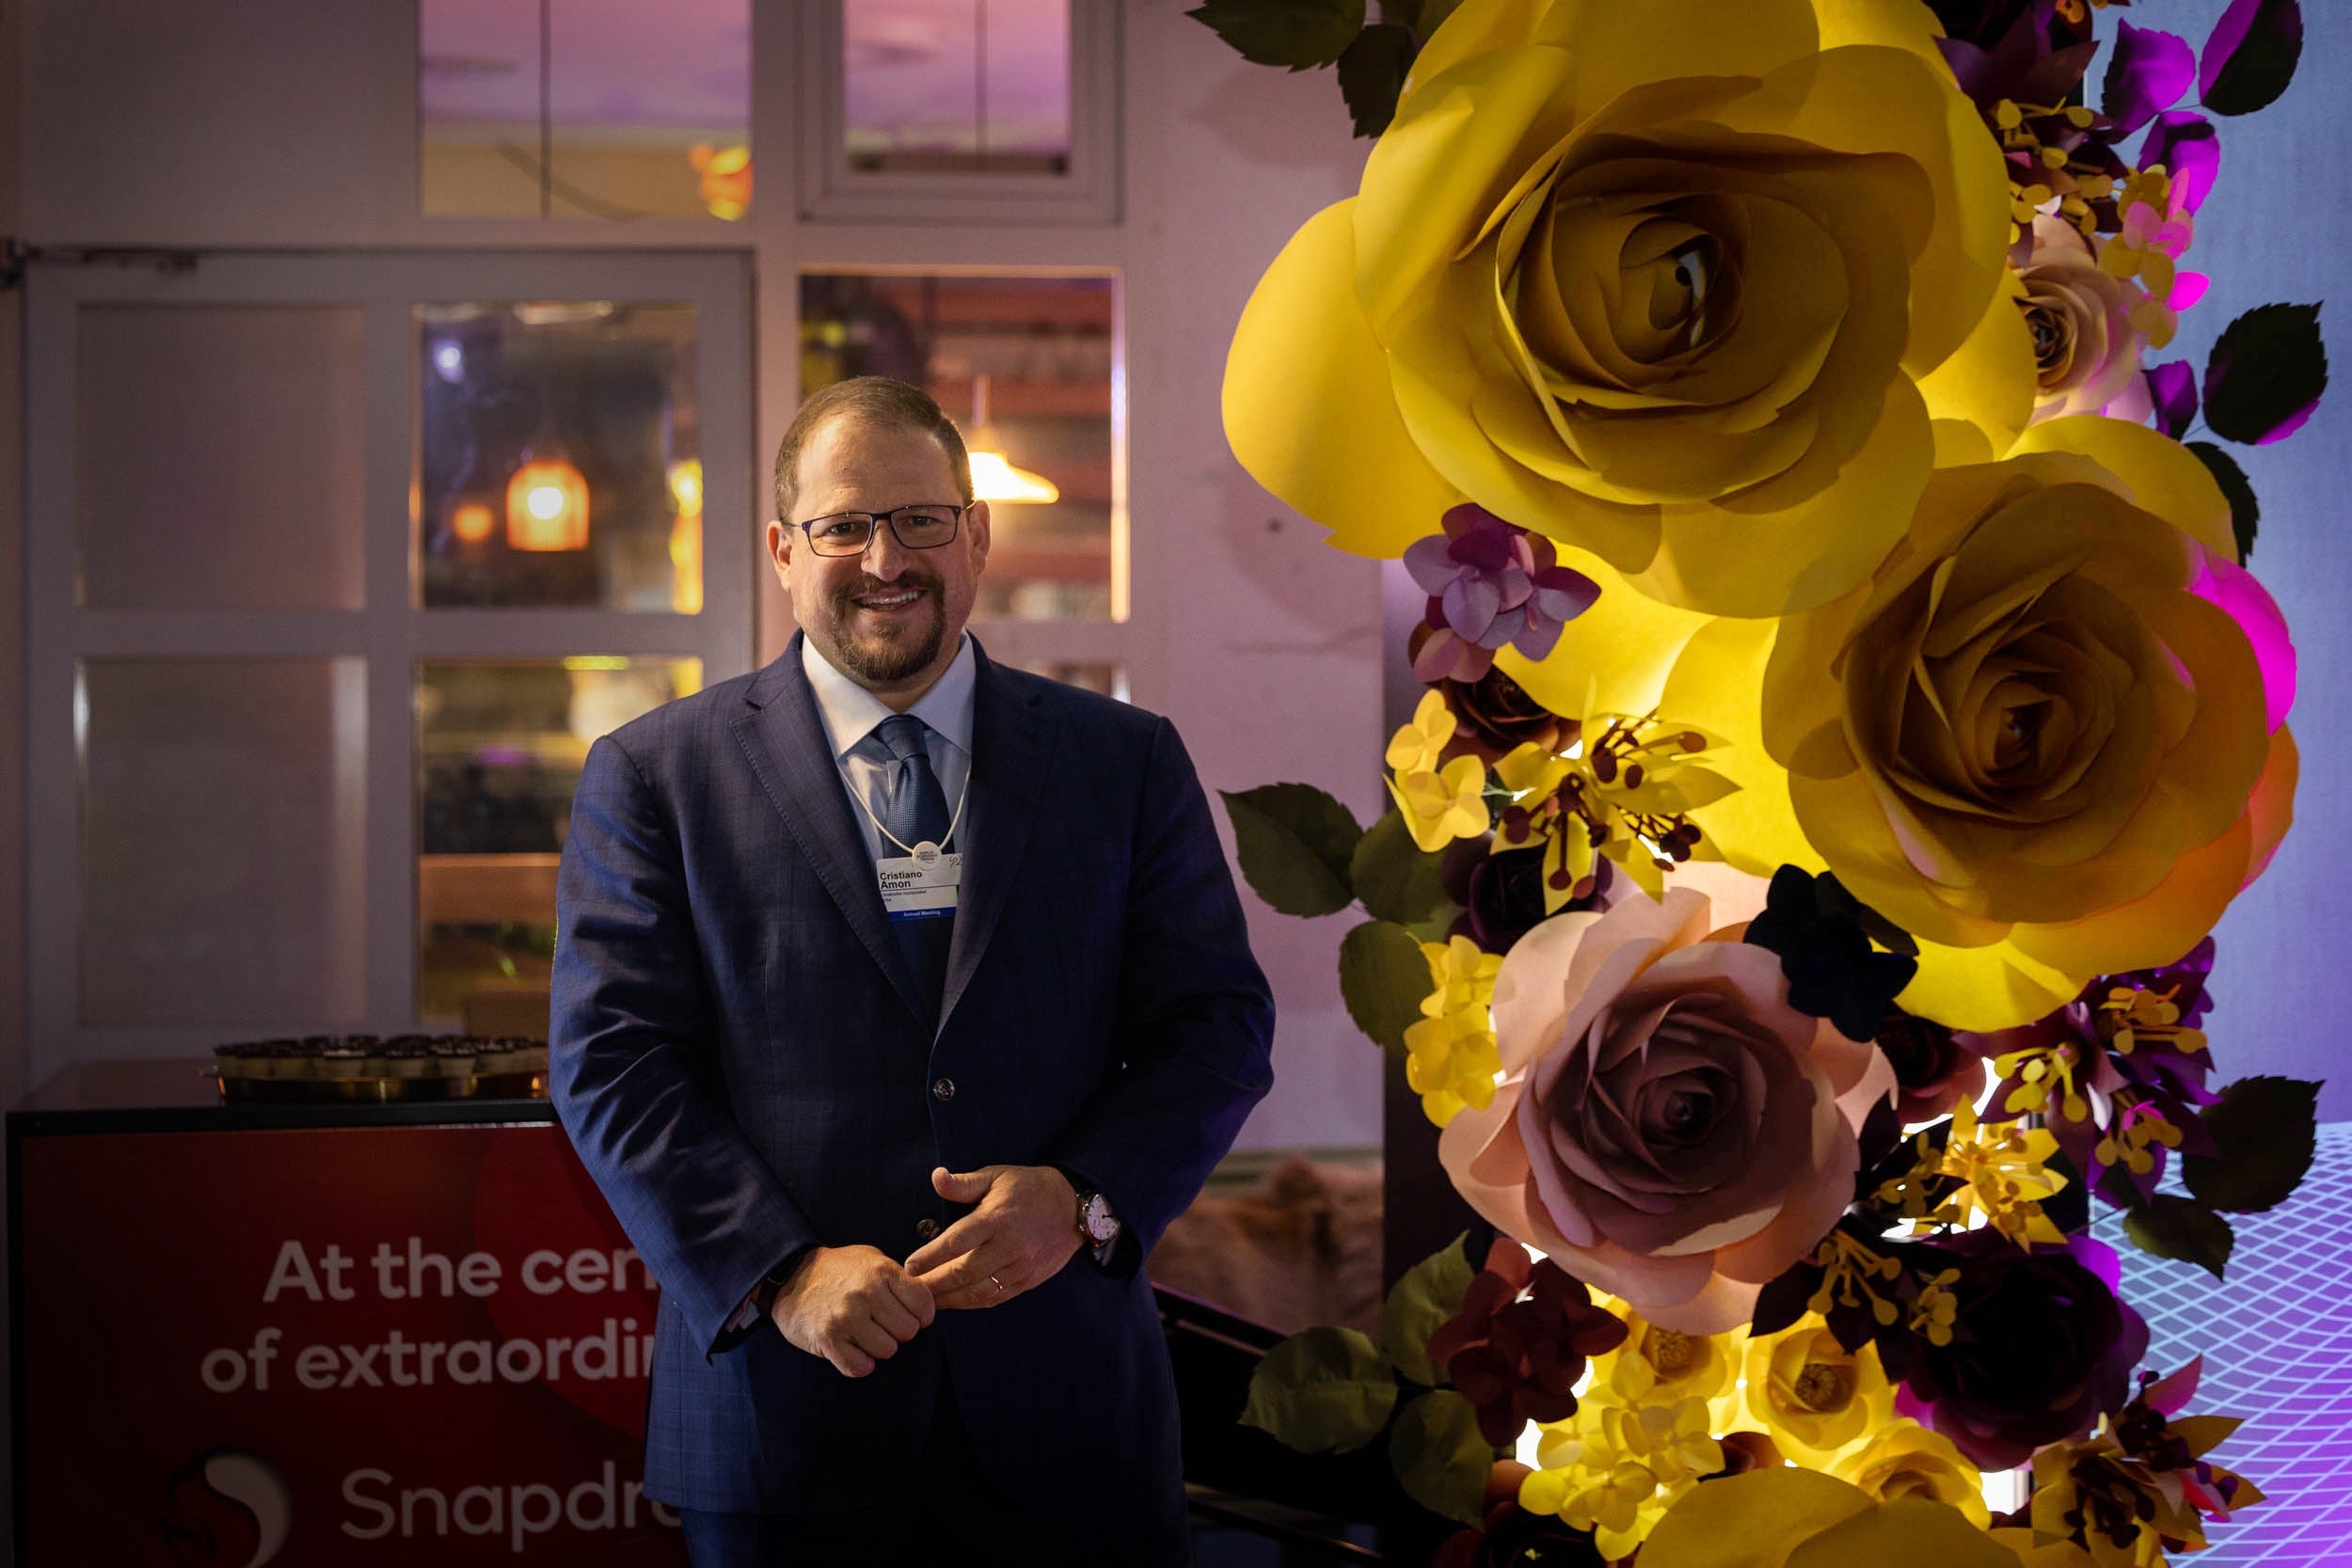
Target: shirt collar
[850, 712]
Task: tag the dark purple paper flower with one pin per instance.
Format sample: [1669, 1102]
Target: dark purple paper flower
[1502, 895]
[2190, 150]
[2040, 1348]
[2149, 72]
[1491, 586]
[1934, 1069]
[1519, 1361]
[1494, 714]
[2172, 390]
[2112, 1072]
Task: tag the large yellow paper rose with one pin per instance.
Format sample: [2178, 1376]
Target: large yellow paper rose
[2033, 739]
[1656, 279]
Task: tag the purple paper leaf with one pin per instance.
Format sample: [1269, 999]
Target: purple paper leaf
[1430, 563]
[1503, 629]
[1470, 604]
[2172, 388]
[2187, 289]
[1538, 639]
[2249, 57]
[2189, 150]
[1563, 594]
[2149, 72]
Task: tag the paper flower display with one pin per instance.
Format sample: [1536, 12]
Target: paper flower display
[1850, 711]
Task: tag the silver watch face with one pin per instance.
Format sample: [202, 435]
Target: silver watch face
[1100, 1224]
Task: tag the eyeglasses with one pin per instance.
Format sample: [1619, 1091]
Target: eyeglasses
[918, 528]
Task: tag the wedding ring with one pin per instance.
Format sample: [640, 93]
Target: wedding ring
[998, 1283]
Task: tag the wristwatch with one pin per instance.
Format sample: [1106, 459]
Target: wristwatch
[1097, 1224]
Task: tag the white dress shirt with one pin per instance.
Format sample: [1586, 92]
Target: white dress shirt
[851, 714]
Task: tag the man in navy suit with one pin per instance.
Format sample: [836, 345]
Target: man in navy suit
[900, 1001]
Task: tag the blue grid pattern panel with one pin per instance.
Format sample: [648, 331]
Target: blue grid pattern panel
[2277, 1339]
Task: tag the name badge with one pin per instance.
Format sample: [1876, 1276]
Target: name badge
[921, 886]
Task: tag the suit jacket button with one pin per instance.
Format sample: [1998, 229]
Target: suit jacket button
[944, 1088]
[926, 1228]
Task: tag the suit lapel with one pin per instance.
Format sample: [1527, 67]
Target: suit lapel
[785, 742]
[1013, 751]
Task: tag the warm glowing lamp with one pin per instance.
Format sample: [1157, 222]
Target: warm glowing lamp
[726, 180]
[473, 522]
[993, 476]
[546, 506]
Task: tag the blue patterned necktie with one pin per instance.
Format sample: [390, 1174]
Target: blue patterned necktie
[914, 812]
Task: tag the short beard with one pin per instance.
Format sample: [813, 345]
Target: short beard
[879, 663]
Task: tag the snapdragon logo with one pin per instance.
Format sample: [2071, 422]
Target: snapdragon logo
[227, 1507]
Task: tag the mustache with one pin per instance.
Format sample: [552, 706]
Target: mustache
[929, 587]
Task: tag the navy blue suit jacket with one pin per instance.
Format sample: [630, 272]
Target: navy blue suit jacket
[738, 1057]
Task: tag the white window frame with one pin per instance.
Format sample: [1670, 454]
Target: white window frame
[832, 192]
[391, 632]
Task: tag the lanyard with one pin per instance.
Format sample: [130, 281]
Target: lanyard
[859, 796]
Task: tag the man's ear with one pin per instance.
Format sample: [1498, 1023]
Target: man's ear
[780, 551]
[977, 521]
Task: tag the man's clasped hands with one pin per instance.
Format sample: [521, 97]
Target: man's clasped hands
[855, 1305]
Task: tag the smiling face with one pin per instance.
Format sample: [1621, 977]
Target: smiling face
[890, 619]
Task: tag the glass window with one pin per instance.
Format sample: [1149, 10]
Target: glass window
[218, 461]
[580, 108]
[956, 86]
[499, 748]
[223, 806]
[1026, 367]
[558, 456]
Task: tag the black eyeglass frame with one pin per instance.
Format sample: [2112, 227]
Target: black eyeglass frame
[875, 519]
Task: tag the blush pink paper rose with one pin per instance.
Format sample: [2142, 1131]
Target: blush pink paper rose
[1668, 1128]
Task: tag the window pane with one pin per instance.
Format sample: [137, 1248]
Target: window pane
[499, 748]
[220, 462]
[558, 457]
[961, 86]
[648, 108]
[1026, 367]
[222, 817]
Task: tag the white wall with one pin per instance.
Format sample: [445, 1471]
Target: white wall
[286, 124]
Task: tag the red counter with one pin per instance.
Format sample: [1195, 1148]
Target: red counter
[305, 1336]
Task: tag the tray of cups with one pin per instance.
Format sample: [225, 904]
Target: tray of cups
[380, 1069]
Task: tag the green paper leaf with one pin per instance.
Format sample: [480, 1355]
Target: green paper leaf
[1430, 15]
[2259, 70]
[1428, 1296]
[1440, 1458]
[1372, 74]
[1394, 877]
[1295, 843]
[1329, 1389]
[2171, 1227]
[2267, 1129]
[2245, 513]
[1295, 32]
[1383, 979]
[2267, 372]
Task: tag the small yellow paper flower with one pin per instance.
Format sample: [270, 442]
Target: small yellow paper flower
[1463, 975]
[1445, 805]
[1451, 1063]
[1907, 1460]
[1417, 747]
[1812, 1397]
